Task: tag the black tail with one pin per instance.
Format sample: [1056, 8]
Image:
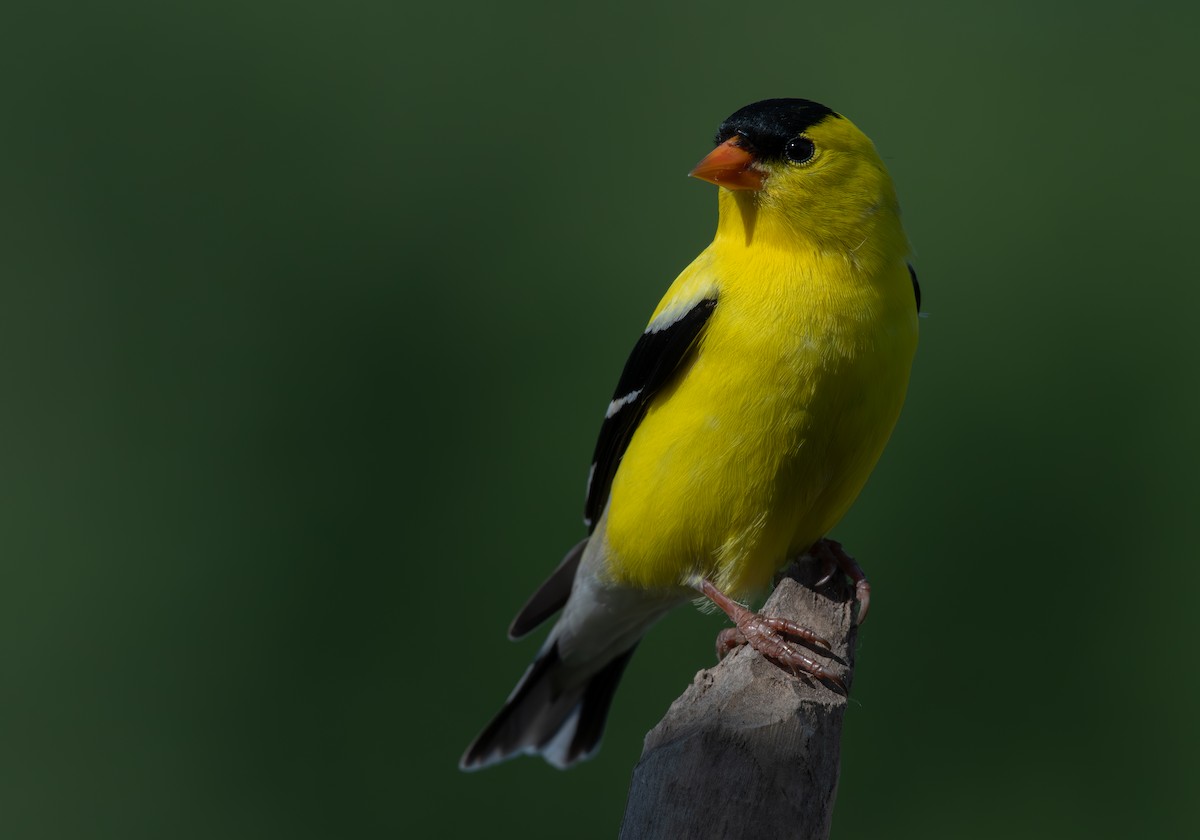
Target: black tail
[550, 714]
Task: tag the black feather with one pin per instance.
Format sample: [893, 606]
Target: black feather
[529, 720]
[541, 706]
[550, 597]
[654, 360]
[596, 701]
[916, 285]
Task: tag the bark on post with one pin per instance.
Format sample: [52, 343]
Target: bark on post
[749, 750]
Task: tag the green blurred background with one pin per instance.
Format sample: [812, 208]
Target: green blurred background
[310, 313]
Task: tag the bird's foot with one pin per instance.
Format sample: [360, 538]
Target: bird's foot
[770, 635]
[832, 557]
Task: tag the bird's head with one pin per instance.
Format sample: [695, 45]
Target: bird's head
[793, 167]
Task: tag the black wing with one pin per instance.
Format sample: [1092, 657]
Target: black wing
[655, 358]
[916, 285]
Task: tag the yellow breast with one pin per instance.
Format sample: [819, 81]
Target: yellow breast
[761, 444]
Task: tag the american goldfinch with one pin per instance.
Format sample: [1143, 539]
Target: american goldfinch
[744, 424]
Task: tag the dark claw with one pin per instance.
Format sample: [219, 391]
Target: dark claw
[833, 557]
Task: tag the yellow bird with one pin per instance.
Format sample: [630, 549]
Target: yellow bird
[745, 423]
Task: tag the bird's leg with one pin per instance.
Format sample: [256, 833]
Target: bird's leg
[833, 557]
[768, 635]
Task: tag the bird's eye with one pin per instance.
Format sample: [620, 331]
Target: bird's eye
[799, 150]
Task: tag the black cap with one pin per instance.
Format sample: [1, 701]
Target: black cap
[768, 125]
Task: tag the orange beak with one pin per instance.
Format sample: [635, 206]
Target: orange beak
[729, 166]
